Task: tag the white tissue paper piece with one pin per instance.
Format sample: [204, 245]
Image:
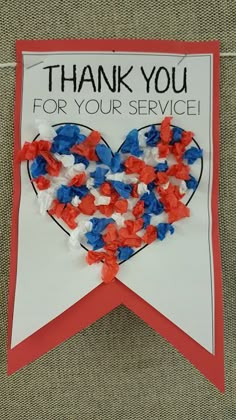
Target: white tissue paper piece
[182, 187]
[74, 170]
[122, 177]
[142, 140]
[119, 219]
[77, 234]
[90, 183]
[102, 200]
[66, 160]
[45, 130]
[75, 201]
[142, 188]
[45, 199]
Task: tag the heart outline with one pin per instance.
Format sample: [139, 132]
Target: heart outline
[118, 150]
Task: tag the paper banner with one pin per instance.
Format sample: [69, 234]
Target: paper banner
[114, 86]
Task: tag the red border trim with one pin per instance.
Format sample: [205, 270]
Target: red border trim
[129, 45]
[16, 202]
[106, 297]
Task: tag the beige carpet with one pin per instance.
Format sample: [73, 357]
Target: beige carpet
[119, 369]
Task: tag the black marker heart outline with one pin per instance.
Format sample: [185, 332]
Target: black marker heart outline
[104, 141]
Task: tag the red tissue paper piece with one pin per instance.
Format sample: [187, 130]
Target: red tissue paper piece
[187, 137]
[169, 190]
[78, 180]
[178, 150]
[150, 234]
[88, 147]
[134, 165]
[169, 201]
[114, 196]
[109, 269]
[55, 169]
[93, 257]
[127, 234]
[164, 150]
[56, 209]
[92, 140]
[53, 166]
[106, 189]
[138, 209]
[111, 233]
[161, 178]
[170, 196]
[31, 150]
[147, 174]
[110, 266]
[69, 214]
[107, 210]
[178, 212]
[134, 226]
[121, 206]
[165, 131]
[42, 182]
[87, 205]
[180, 171]
[112, 247]
[134, 192]
[134, 241]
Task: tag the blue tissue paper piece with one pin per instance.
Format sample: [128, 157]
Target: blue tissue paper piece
[104, 153]
[155, 207]
[99, 224]
[80, 138]
[116, 163]
[131, 144]
[151, 186]
[176, 135]
[38, 167]
[161, 167]
[95, 239]
[81, 191]
[123, 189]
[67, 136]
[192, 154]
[99, 244]
[62, 144]
[69, 130]
[147, 198]
[99, 176]
[162, 229]
[65, 194]
[192, 183]
[152, 136]
[151, 204]
[81, 159]
[146, 220]
[121, 168]
[124, 252]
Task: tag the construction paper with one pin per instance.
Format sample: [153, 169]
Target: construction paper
[175, 285]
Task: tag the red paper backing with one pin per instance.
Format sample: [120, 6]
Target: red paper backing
[106, 297]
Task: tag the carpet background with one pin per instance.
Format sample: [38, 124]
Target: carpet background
[119, 368]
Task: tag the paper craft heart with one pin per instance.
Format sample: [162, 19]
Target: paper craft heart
[114, 202]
